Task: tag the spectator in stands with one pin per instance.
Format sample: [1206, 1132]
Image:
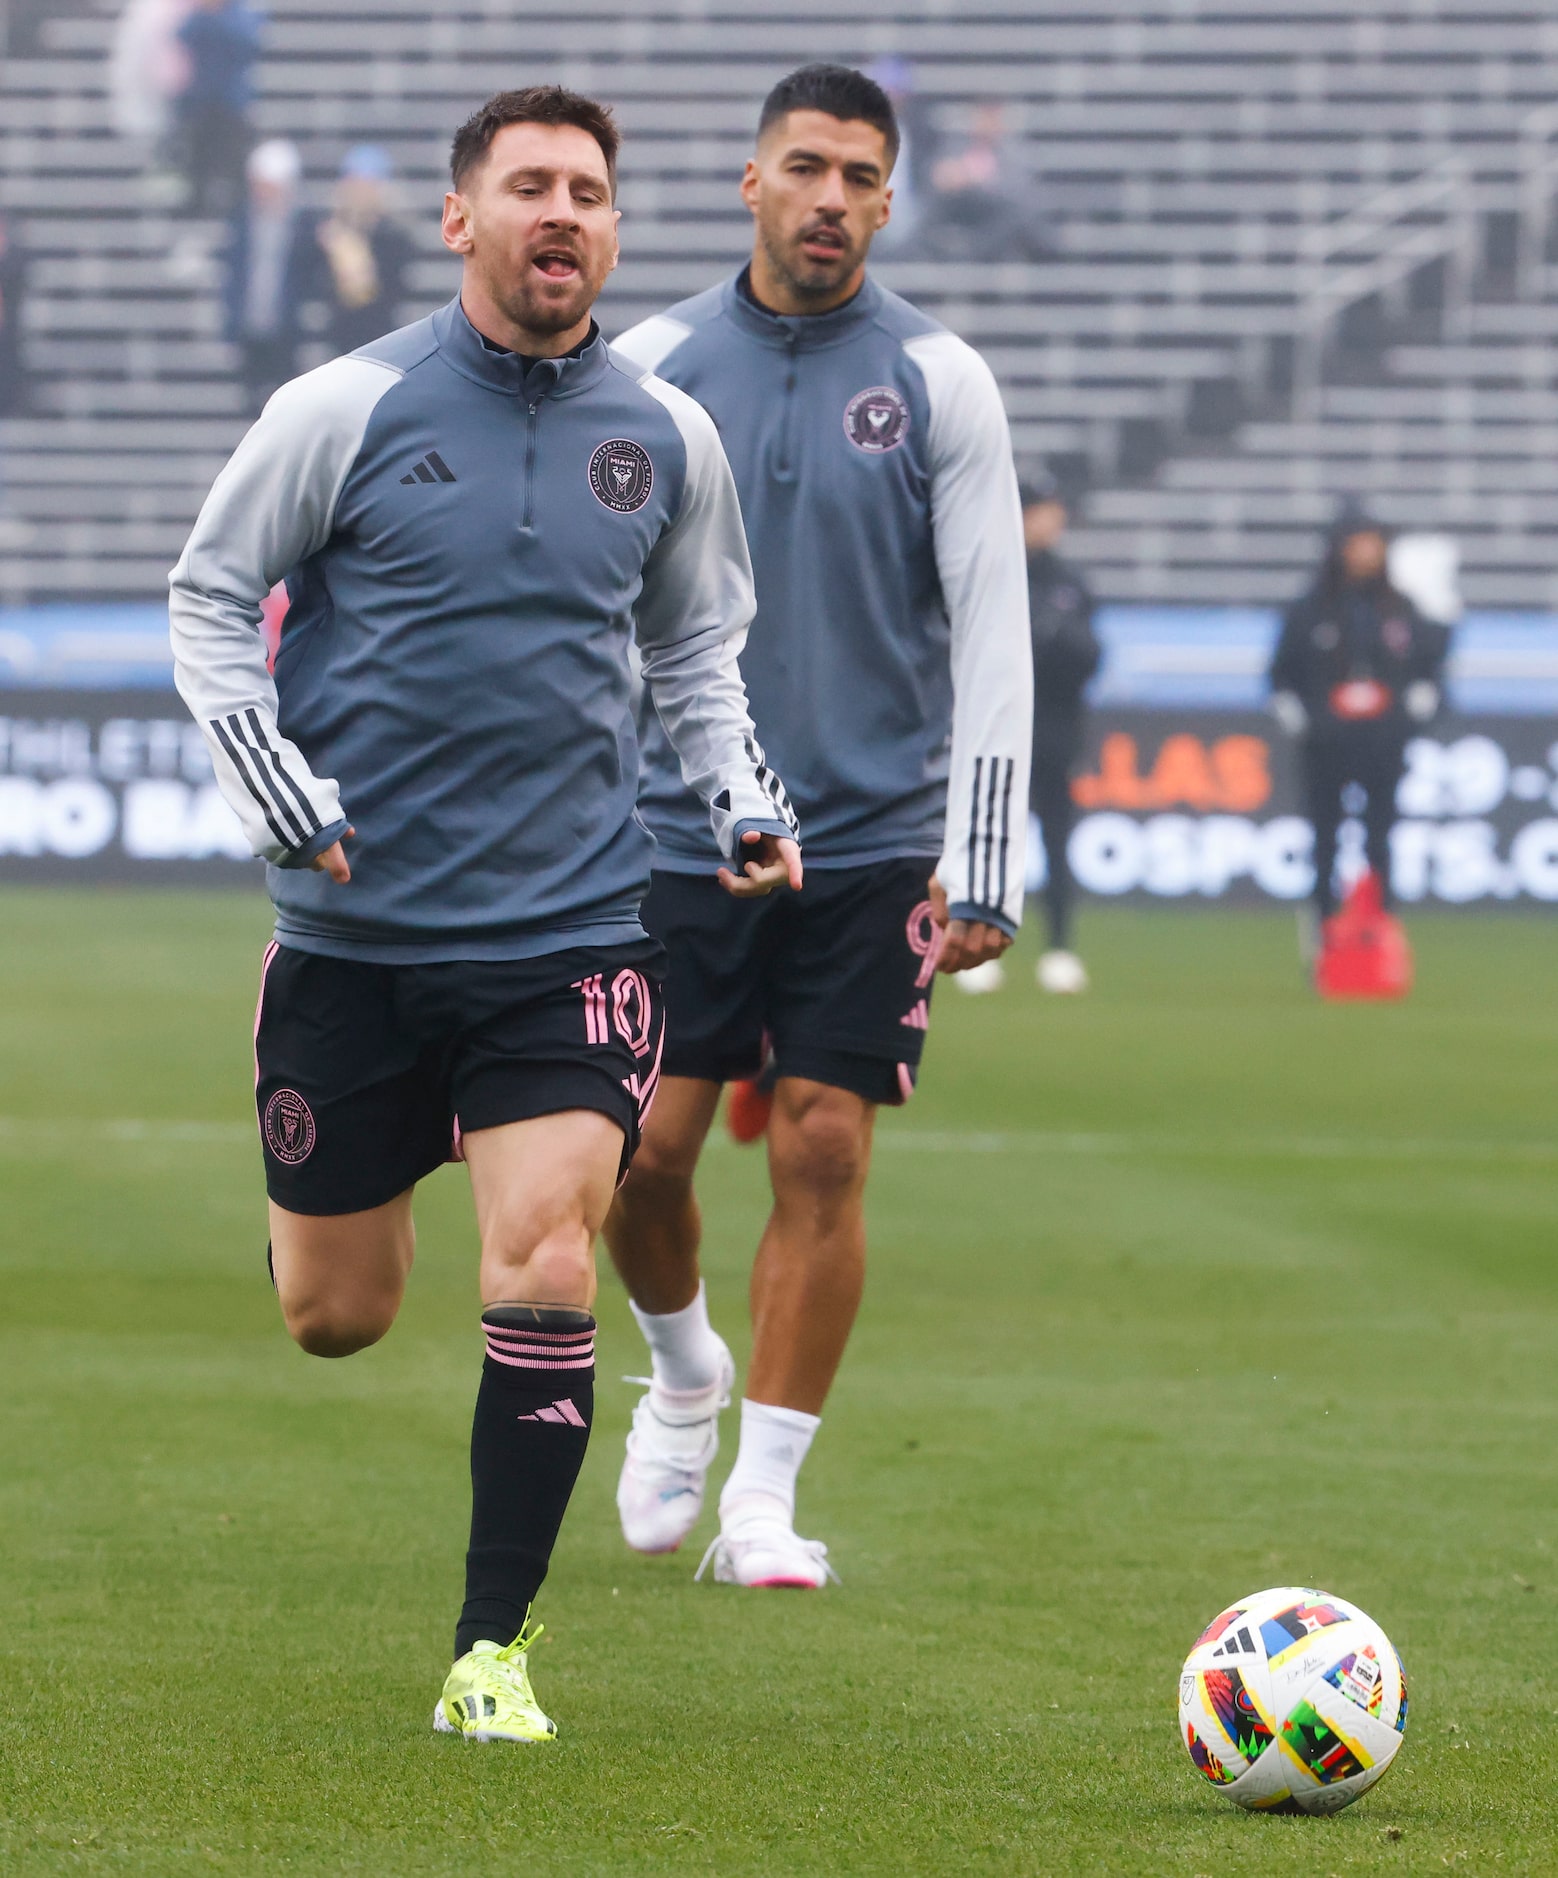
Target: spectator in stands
[272, 270]
[148, 69]
[917, 144]
[366, 252]
[1356, 669]
[222, 41]
[13, 288]
[984, 205]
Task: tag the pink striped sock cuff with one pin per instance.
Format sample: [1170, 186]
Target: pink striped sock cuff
[523, 1337]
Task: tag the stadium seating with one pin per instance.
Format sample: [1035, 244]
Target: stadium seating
[1203, 164]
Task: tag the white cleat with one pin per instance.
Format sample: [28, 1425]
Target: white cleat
[765, 1554]
[674, 1438]
[1061, 973]
[990, 976]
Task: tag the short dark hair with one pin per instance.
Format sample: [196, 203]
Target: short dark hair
[841, 92]
[535, 104]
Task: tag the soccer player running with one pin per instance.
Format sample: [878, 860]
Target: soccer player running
[890, 670]
[473, 516]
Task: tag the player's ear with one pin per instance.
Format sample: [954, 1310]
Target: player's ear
[749, 184]
[456, 228]
[886, 214]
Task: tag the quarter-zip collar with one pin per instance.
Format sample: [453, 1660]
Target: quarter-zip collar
[504, 372]
[802, 332]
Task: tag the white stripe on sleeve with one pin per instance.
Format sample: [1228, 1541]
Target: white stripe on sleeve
[271, 507]
[977, 519]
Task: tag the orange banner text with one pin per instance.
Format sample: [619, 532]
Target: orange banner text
[1231, 774]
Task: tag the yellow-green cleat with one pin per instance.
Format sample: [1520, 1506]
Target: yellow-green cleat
[488, 1697]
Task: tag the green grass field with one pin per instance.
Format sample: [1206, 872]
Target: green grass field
[1186, 1288]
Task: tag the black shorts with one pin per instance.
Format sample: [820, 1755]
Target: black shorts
[835, 980]
[367, 1076]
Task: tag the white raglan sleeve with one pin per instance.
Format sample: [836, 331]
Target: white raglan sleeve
[693, 613]
[271, 507]
[651, 340]
[977, 520]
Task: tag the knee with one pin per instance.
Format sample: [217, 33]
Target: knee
[555, 1265]
[324, 1327]
[822, 1145]
[663, 1166]
[659, 1186]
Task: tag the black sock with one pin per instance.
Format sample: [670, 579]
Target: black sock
[528, 1439]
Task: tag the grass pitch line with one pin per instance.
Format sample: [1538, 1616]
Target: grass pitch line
[55, 1131]
[61, 1131]
[1254, 1147]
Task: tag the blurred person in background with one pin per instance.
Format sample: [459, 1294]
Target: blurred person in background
[984, 204]
[1066, 654]
[1357, 669]
[917, 147]
[221, 39]
[366, 252]
[272, 268]
[148, 69]
[13, 288]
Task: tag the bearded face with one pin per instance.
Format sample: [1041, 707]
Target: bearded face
[537, 227]
[818, 190]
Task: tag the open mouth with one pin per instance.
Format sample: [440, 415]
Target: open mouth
[556, 265]
[823, 244]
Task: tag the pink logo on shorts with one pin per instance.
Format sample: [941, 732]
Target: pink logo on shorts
[289, 1127]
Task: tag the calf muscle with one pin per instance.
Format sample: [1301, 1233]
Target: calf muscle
[340, 1277]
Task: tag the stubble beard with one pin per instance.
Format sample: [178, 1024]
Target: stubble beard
[536, 311]
[809, 280]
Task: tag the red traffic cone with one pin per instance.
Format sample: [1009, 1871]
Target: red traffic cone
[1363, 949]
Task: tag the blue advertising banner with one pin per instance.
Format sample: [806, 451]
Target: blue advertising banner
[1185, 792]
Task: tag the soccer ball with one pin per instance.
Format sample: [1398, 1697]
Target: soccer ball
[1292, 1701]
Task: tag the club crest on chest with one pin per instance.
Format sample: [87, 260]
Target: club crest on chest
[876, 420]
[621, 475]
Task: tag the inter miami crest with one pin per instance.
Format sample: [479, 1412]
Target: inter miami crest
[877, 420]
[622, 475]
[289, 1127]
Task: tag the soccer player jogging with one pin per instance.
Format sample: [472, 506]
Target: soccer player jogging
[889, 667]
[474, 516]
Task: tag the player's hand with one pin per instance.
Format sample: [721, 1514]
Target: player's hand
[767, 862]
[334, 862]
[965, 943]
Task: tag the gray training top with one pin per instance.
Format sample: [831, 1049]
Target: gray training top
[469, 548]
[889, 664]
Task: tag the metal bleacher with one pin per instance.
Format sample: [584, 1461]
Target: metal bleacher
[1301, 249]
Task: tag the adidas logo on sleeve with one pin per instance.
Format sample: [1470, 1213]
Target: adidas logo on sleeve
[432, 469]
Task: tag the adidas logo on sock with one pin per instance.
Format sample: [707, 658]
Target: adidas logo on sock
[560, 1411]
[432, 469]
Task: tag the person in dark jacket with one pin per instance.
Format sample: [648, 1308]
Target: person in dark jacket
[1065, 657]
[1356, 670]
[273, 267]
